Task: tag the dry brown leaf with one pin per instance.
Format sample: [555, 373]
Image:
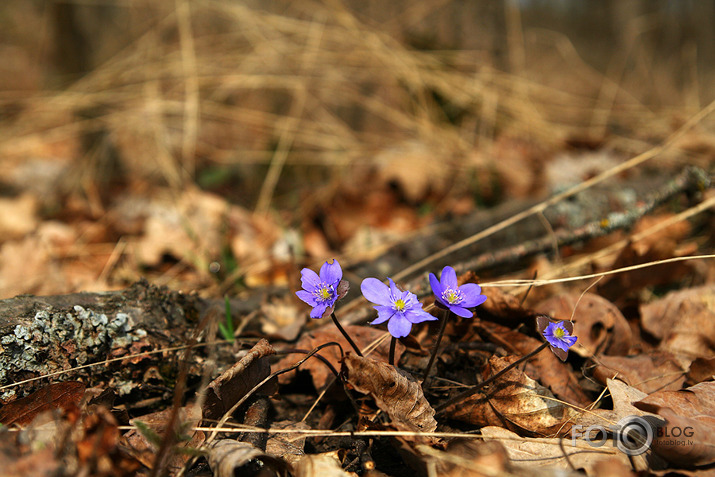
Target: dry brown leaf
[228, 458]
[599, 325]
[65, 395]
[702, 369]
[26, 266]
[141, 447]
[394, 392]
[622, 396]
[684, 321]
[97, 446]
[549, 452]
[515, 401]
[321, 465]
[41, 463]
[465, 457]
[666, 243]
[287, 446]
[691, 402]
[610, 467]
[648, 373]
[18, 216]
[227, 389]
[185, 227]
[502, 305]
[681, 440]
[363, 336]
[412, 166]
[281, 319]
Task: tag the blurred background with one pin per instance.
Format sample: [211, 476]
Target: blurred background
[214, 145]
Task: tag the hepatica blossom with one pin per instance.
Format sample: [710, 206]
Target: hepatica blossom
[454, 298]
[559, 335]
[321, 291]
[401, 309]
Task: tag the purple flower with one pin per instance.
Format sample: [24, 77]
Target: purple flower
[322, 291]
[454, 298]
[559, 335]
[401, 308]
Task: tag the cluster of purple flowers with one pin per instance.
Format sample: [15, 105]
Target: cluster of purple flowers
[401, 309]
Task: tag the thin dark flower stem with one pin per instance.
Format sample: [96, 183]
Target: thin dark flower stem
[393, 343]
[447, 316]
[483, 384]
[345, 334]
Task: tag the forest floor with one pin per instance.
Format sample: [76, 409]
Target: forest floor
[157, 213]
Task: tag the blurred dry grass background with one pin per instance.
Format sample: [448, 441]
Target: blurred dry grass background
[289, 106]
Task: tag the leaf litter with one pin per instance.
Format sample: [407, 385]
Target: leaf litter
[642, 335]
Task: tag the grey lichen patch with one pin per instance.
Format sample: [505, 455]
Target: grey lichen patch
[57, 341]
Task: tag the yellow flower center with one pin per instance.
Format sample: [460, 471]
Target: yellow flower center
[323, 293]
[400, 304]
[453, 297]
[559, 332]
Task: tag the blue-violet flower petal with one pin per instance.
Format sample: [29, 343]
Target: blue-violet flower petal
[321, 291]
[401, 309]
[450, 296]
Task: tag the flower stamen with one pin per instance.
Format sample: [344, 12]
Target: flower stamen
[323, 292]
[453, 297]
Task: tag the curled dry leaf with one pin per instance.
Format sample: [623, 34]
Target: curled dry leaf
[397, 394]
[599, 325]
[684, 321]
[65, 395]
[239, 379]
[319, 372]
[228, 458]
[648, 373]
[515, 401]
